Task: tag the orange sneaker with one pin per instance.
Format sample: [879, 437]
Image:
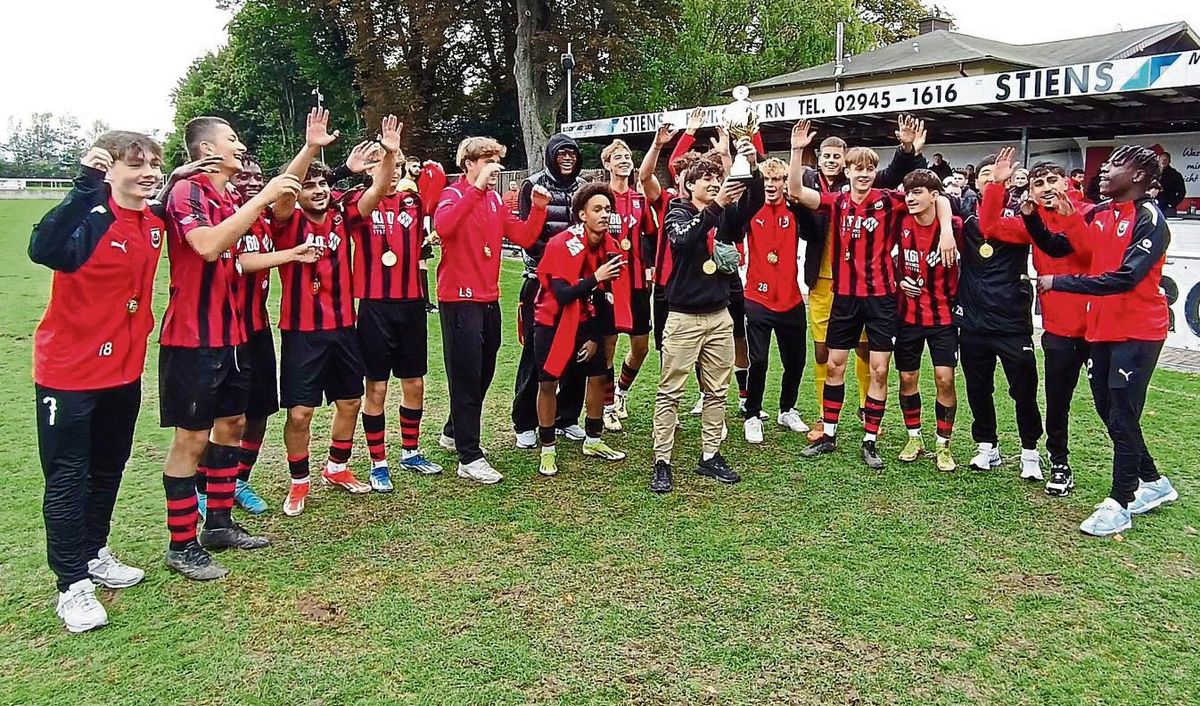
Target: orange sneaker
[817, 432]
[297, 494]
[345, 480]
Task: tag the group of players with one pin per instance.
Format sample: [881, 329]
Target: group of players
[710, 265]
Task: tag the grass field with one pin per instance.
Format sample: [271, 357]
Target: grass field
[813, 583]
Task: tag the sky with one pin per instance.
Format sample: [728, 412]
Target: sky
[100, 47]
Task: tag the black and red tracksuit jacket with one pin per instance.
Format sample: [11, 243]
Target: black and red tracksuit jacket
[772, 256]
[1127, 243]
[93, 333]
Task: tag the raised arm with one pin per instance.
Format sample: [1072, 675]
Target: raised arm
[316, 136]
[389, 139]
[686, 140]
[802, 137]
[525, 231]
[911, 134]
[1147, 246]
[63, 240]
[650, 186]
[454, 208]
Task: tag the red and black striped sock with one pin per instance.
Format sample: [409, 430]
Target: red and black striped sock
[339, 450]
[911, 406]
[182, 512]
[945, 421]
[298, 468]
[628, 375]
[222, 481]
[375, 429]
[742, 374]
[202, 469]
[410, 428]
[874, 410]
[610, 388]
[247, 457]
[835, 397]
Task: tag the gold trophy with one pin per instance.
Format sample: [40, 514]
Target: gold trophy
[742, 123]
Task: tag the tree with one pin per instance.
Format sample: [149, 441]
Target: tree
[46, 145]
[895, 20]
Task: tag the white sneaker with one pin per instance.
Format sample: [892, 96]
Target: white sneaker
[791, 419]
[79, 609]
[754, 430]
[698, 408]
[572, 433]
[1031, 465]
[986, 457]
[447, 443]
[527, 439]
[480, 471]
[612, 421]
[1108, 519]
[621, 402]
[1152, 495]
[108, 571]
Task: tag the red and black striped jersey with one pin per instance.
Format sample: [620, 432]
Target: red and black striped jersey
[863, 236]
[203, 310]
[921, 263]
[396, 226]
[253, 288]
[316, 296]
[663, 262]
[636, 223]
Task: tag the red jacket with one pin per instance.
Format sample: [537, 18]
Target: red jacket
[99, 317]
[1128, 247]
[1063, 314]
[772, 273]
[473, 224]
[430, 183]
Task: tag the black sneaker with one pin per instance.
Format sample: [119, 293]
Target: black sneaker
[232, 537]
[431, 309]
[195, 563]
[870, 456]
[662, 481]
[717, 469]
[1062, 480]
[825, 445]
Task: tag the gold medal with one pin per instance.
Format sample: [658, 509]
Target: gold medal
[389, 259]
[132, 306]
[709, 267]
[487, 250]
[626, 244]
[316, 285]
[986, 250]
[772, 257]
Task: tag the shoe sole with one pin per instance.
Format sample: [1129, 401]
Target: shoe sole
[85, 627]
[1059, 492]
[814, 454]
[1122, 528]
[116, 585]
[901, 458]
[290, 513]
[991, 466]
[1040, 477]
[1169, 498]
[473, 479]
[353, 490]
[382, 489]
[660, 491]
[717, 478]
[568, 437]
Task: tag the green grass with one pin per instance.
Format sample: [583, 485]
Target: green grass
[806, 583]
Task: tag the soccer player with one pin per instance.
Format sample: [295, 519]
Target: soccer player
[702, 228]
[774, 303]
[928, 287]
[103, 243]
[865, 228]
[830, 177]
[636, 233]
[472, 224]
[995, 322]
[577, 265]
[204, 371]
[560, 178]
[1064, 315]
[389, 234]
[320, 356]
[1127, 322]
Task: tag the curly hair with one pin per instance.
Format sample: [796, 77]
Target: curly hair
[1142, 158]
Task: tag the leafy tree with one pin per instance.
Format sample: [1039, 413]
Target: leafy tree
[45, 145]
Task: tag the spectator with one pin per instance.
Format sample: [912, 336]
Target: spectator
[970, 174]
[511, 196]
[1173, 189]
[940, 167]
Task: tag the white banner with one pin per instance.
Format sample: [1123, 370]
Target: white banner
[1118, 76]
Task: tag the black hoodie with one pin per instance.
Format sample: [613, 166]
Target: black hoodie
[562, 188]
[690, 290]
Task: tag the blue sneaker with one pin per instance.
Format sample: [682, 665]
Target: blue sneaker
[202, 505]
[381, 480]
[1109, 518]
[417, 463]
[1151, 495]
[249, 500]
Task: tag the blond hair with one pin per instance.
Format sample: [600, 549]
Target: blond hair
[862, 157]
[774, 167]
[611, 149]
[473, 148]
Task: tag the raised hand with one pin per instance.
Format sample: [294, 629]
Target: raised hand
[1063, 205]
[664, 135]
[609, 270]
[204, 165]
[907, 130]
[1002, 170]
[100, 158]
[918, 143]
[720, 143]
[362, 157]
[280, 186]
[730, 192]
[488, 172]
[695, 120]
[389, 134]
[802, 134]
[540, 196]
[316, 131]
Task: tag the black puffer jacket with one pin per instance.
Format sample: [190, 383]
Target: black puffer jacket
[562, 188]
[992, 297]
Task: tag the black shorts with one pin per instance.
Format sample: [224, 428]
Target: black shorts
[911, 340]
[197, 386]
[661, 309]
[393, 336]
[639, 309]
[850, 315]
[264, 383]
[313, 363]
[543, 339]
[737, 310]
